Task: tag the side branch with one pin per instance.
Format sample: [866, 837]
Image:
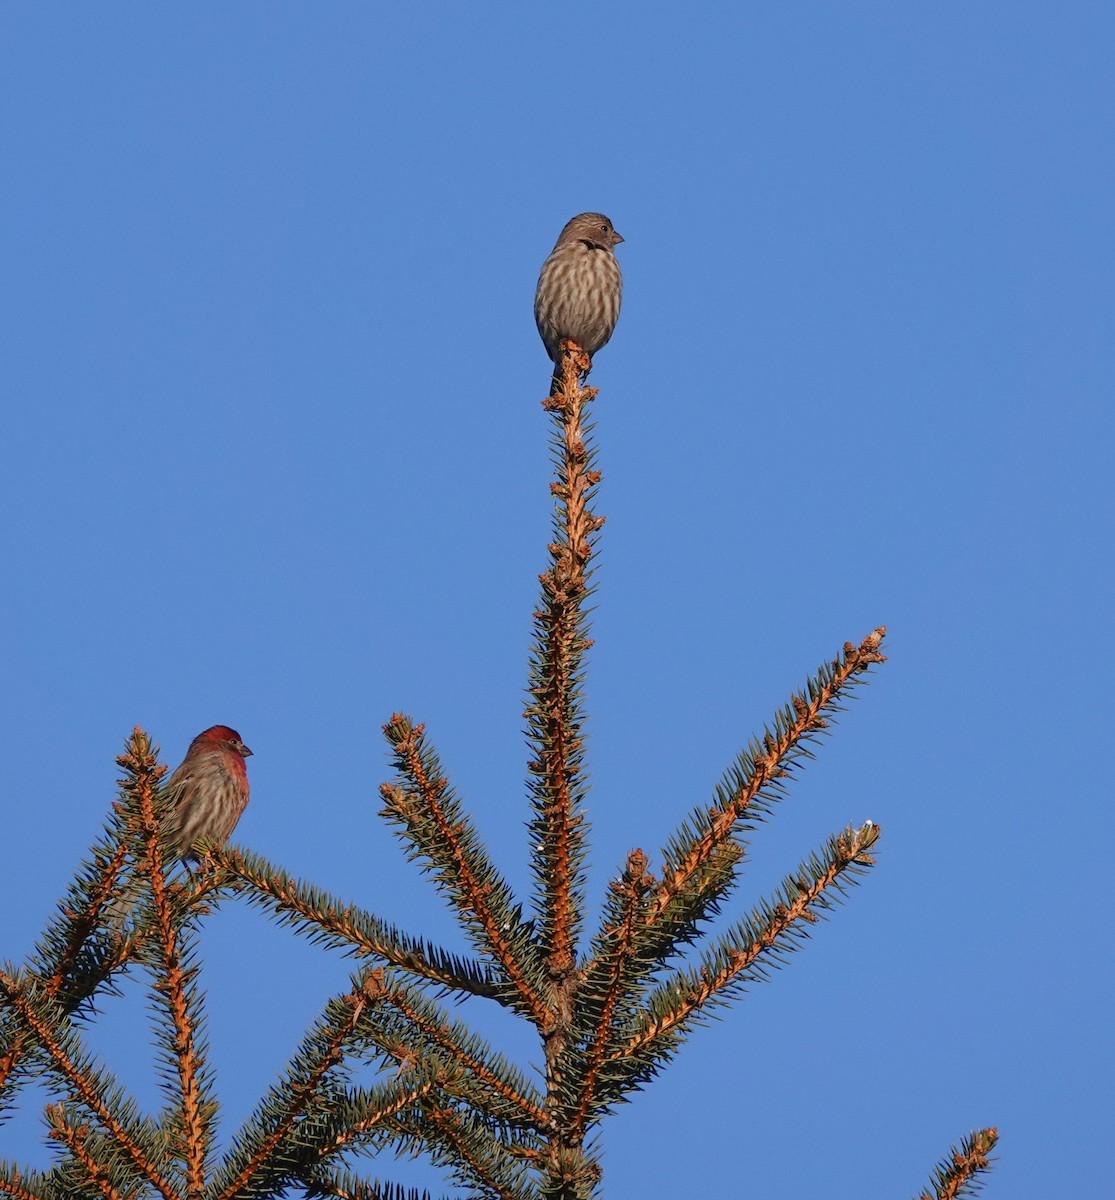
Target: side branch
[62, 966]
[345, 926]
[60, 985]
[74, 1138]
[434, 822]
[959, 1174]
[439, 1035]
[340, 1184]
[497, 1168]
[767, 767]
[616, 963]
[378, 1106]
[90, 1090]
[304, 1089]
[737, 956]
[19, 1185]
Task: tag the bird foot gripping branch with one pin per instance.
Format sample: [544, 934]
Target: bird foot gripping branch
[572, 354]
[567, 386]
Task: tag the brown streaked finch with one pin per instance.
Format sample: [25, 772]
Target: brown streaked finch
[579, 287]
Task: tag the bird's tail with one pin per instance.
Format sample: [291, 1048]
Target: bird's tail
[122, 907]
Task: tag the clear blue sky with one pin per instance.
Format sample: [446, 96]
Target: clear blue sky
[273, 457]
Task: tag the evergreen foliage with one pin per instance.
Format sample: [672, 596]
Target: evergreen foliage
[610, 1009]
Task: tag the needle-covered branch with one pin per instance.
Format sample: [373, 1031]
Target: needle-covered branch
[19, 1184]
[457, 1139]
[271, 1148]
[91, 1169]
[93, 1089]
[607, 989]
[346, 927]
[191, 1099]
[698, 862]
[342, 1184]
[362, 1118]
[71, 961]
[433, 821]
[555, 715]
[384, 1024]
[744, 955]
[483, 1077]
[93, 970]
[961, 1172]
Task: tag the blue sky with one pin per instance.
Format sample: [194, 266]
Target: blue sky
[274, 457]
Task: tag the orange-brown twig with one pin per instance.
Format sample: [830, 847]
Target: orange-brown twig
[850, 847]
[957, 1173]
[573, 364]
[74, 1139]
[411, 1095]
[632, 887]
[14, 1189]
[173, 988]
[440, 1036]
[809, 717]
[86, 1088]
[472, 891]
[356, 1001]
[447, 1123]
[85, 921]
[340, 922]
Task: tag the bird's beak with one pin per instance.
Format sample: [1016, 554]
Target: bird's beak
[245, 751]
[617, 238]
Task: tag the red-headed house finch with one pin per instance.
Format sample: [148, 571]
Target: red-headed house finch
[579, 287]
[206, 796]
[208, 791]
